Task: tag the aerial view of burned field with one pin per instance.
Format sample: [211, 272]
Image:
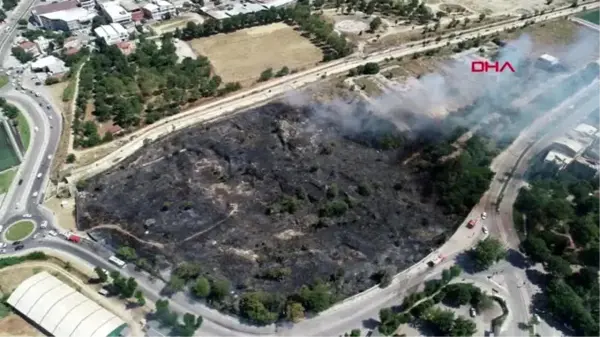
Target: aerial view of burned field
[274, 190]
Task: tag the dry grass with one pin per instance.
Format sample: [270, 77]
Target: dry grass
[556, 32]
[56, 93]
[64, 215]
[241, 56]
[15, 325]
[369, 86]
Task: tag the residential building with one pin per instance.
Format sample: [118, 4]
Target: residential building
[30, 47]
[225, 11]
[42, 43]
[87, 4]
[159, 10]
[134, 8]
[115, 13]
[127, 47]
[112, 33]
[60, 310]
[69, 20]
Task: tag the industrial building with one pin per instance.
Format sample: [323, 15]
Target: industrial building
[51, 7]
[230, 9]
[112, 33]
[60, 310]
[115, 13]
[69, 20]
[159, 10]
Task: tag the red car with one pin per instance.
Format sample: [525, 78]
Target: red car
[471, 223]
[74, 238]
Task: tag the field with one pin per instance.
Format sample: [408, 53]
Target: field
[8, 157]
[19, 230]
[368, 86]
[241, 56]
[6, 179]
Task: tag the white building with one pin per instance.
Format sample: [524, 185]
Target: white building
[51, 65]
[568, 146]
[61, 310]
[586, 130]
[87, 4]
[115, 13]
[159, 10]
[68, 20]
[559, 159]
[112, 33]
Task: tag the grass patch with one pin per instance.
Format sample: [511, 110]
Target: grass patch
[3, 80]
[6, 179]
[368, 86]
[19, 230]
[24, 130]
[69, 91]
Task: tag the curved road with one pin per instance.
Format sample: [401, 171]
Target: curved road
[45, 141]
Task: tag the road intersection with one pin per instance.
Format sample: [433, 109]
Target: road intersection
[342, 317]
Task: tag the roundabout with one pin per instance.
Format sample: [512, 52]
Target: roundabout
[19, 230]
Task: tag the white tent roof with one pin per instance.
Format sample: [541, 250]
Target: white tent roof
[61, 310]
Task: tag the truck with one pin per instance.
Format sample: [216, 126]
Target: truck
[74, 238]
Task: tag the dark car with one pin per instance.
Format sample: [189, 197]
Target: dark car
[20, 181]
[16, 243]
[19, 247]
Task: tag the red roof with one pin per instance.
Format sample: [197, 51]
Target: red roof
[71, 51]
[54, 7]
[27, 45]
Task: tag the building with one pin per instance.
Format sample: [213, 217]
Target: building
[30, 47]
[568, 146]
[50, 65]
[586, 130]
[50, 8]
[87, 4]
[42, 43]
[134, 9]
[559, 159]
[59, 310]
[126, 48]
[115, 13]
[112, 33]
[159, 10]
[227, 11]
[69, 20]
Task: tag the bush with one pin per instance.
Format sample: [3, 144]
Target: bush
[334, 208]
[71, 158]
[14, 260]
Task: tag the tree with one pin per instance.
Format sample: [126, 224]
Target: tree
[294, 312]
[253, 309]
[126, 253]
[375, 24]
[139, 296]
[176, 284]
[558, 266]
[355, 333]
[488, 252]
[201, 287]
[219, 290]
[22, 22]
[463, 327]
[316, 298]
[458, 294]
[481, 17]
[370, 68]
[283, 72]
[441, 320]
[536, 249]
[21, 55]
[266, 75]
[102, 277]
[71, 158]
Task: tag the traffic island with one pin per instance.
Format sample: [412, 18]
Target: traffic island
[19, 230]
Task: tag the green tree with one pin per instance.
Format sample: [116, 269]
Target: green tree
[441, 320]
[481, 17]
[536, 249]
[488, 252]
[140, 299]
[284, 71]
[316, 298]
[176, 284]
[294, 312]
[266, 75]
[219, 290]
[463, 327]
[558, 266]
[22, 22]
[458, 294]
[127, 253]
[253, 309]
[355, 333]
[102, 277]
[201, 287]
[71, 158]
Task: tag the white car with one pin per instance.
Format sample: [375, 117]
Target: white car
[44, 224]
[49, 156]
[53, 233]
[36, 129]
[39, 175]
[37, 94]
[3, 251]
[27, 215]
[485, 230]
[35, 194]
[1, 228]
[3, 245]
[472, 312]
[483, 215]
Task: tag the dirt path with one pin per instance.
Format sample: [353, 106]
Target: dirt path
[231, 213]
[87, 291]
[121, 230]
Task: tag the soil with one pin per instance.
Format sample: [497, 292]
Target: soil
[216, 196]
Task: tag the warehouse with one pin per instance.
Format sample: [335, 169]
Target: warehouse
[60, 310]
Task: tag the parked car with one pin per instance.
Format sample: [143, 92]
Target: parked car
[471, 223]
[1, 228]
[53, 233]
[39, 175]
[485, 230]
[472, 312]
[35, 194]
[103, 292]
[44, 224]
[483, 215]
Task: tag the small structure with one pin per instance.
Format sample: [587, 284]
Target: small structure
[51, 65]
[126, 48]
[51, 8]
[30, 47]
[159, 10]
[42, 43]
[59, 310]
[559, 159]
[586, 130]
[112, 33]
[568, 146]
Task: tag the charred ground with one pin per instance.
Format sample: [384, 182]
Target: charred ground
[275, 198]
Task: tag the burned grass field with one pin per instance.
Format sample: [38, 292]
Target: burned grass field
[274, 199]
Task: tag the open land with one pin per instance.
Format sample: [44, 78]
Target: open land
[241, 56]
[8, 157]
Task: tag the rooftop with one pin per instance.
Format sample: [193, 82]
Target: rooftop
[558, 158]
[111, 30]
[130, 5]
[571, 144]
[45, 62]
[54, 7]
[114, 10]
[586, 129]
[27, 44]
[73, 14]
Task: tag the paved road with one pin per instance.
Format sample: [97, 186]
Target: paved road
[331, 322]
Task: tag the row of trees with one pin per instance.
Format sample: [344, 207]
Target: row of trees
[413, 10]
[562, 231]
[313, 26]
[167, 318]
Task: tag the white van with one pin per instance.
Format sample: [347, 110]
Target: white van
[103, 292]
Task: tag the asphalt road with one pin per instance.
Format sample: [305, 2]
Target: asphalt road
[337, 320]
